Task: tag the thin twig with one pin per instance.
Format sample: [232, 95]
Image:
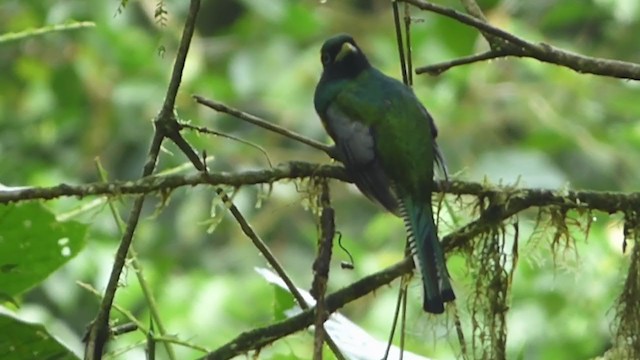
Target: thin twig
[262, 247]
[394, 322]
[439, 68]
[126, 313]
[473, 9]
[220, 107]
[407, 78]
[407, 36]
[30, 33]
[403, 321]
[396, 22]
[471, 21]
[205, 130]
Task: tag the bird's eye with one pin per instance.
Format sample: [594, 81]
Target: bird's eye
[325, 58]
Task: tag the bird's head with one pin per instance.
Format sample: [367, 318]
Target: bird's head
[342, 58]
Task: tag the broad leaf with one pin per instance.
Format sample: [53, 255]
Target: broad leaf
[23, 340]
[33, 244]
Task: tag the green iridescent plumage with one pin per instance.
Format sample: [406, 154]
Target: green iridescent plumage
[386, 140]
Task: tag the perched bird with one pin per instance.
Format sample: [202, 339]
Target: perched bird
[386, 140]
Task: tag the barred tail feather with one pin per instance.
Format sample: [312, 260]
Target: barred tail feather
[428, 255]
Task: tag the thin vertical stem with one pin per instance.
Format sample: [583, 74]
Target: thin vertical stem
[403, 320]
[396, 21]
[407, 37]
[396, 314]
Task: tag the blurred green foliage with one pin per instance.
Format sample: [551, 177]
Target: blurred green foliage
[69, 98]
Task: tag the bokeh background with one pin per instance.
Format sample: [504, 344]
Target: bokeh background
[70, 98]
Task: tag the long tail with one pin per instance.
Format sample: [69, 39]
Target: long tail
[428, 255]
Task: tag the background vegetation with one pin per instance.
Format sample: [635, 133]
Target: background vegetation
[71, 97]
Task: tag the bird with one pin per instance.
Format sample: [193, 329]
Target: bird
[386, 140]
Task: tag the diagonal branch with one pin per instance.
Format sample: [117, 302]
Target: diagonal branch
[439, 68]
[516, 46]
[98, 334]
[474, 10]
[99, 330]
[271, 259]
[500, 208]
[220, 107]
[259, 337]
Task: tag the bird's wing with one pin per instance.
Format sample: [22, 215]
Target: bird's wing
[356, 142]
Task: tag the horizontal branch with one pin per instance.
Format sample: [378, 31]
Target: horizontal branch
[504, 202]
[508, 197]
[516, 46]
[290, 170]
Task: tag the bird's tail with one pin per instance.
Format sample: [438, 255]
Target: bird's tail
[428, 255]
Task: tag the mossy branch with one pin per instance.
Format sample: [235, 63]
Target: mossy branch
[504, 201]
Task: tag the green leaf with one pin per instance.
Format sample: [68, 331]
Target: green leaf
[283, 303]
[33, 244]
[23, 340]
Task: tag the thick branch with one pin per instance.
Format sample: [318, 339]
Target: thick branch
[502, 205]
[505, 203]
[290, 170]
[516, 46]
[257, 338]
[513, 199]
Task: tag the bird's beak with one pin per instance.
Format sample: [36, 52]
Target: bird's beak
[346, 49]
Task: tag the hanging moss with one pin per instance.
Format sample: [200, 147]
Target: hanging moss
[627, 336]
